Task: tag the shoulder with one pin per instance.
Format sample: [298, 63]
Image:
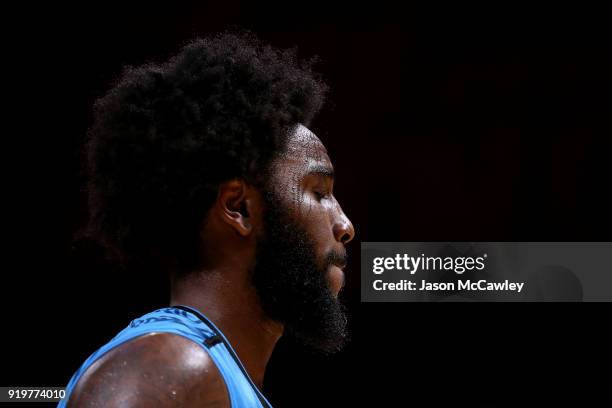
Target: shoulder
[156, 369]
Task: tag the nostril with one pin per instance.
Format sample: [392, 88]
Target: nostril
[343, 230]
[345, 238]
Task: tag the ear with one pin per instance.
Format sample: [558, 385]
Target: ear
[235, 204]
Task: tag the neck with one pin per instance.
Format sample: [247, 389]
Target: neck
[234, 307]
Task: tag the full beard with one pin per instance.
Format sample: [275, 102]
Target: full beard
[292, 288]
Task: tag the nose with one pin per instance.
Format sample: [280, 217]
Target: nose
[343, 229]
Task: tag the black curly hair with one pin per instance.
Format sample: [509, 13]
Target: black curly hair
[166, 135]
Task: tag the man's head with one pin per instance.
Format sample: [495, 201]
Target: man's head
[205, 161]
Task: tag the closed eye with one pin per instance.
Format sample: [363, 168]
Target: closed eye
[320, 195]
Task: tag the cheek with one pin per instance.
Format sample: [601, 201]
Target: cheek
[315, 220]
[312, 216]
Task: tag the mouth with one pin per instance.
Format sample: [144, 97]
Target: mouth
[336, 278]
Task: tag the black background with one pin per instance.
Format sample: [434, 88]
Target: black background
[465, 123]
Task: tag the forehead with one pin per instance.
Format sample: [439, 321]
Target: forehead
[303, 152]
[302, 142]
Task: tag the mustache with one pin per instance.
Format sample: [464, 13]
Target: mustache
[337, 258]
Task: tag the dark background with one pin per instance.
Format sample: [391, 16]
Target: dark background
[469, 123]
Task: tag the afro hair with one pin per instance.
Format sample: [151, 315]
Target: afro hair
[166, 135]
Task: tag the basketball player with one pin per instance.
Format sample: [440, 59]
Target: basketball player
[205, 166]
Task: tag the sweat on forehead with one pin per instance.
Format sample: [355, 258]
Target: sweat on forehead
[303, 154]
[304, 146]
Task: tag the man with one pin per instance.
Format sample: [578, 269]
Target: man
[204, 166]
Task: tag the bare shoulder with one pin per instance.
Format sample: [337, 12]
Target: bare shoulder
[153, 370]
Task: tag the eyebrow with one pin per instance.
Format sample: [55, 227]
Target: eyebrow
[321, 170]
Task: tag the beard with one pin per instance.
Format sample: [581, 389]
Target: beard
[292, 287]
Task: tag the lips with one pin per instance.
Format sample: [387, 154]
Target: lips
[336, 278]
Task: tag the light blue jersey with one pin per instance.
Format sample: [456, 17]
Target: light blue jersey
[190, 323]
